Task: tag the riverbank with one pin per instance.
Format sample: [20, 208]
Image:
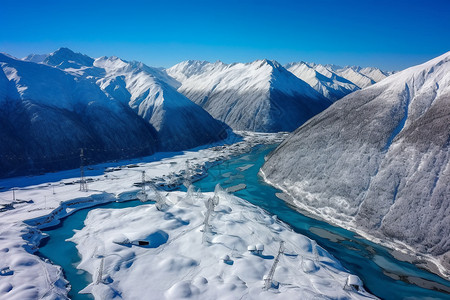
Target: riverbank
[171, 254]
[53, 196]
[399, 250]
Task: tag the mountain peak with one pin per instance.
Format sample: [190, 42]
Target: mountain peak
[266, 62]
[64, 58]
[64, 50]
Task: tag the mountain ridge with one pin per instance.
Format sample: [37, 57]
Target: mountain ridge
[274, 98]
[378, 160]
[53, 108]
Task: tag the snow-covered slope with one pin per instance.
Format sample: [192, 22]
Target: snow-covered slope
[323, 80]
[180, 123]
[378, 160]
[36, 58]
[258, 96]
[373, 73]
[47, 115]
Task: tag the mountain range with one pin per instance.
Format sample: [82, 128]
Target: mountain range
[54, 104]
[259, 96]
[111, 108]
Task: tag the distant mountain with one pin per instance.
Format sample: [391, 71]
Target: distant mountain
[373, 73]
[326, 82]
[180, 123]
[362, 77]
[36, 58]
[335, 82]
[47, 115]
[65, 58]
[378, 160]
[258, 96]
[111, 108]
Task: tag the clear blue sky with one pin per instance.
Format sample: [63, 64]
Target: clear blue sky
[390, 34]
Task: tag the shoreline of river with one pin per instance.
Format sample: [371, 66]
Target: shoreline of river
[398, 249]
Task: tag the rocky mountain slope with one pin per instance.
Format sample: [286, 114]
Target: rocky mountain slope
[378, 160]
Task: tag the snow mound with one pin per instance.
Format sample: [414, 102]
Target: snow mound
[191, 266]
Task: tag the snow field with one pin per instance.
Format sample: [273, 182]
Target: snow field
[180, 263]
[56, 195]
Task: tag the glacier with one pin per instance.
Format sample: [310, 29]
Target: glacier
[378, 161]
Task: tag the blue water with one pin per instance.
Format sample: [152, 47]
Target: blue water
[369, 261]
[65, 254]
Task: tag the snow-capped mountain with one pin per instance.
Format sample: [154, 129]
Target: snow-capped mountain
[257, 96]
[326, 82]
[378, 160]
[115, 108]
[65, 58]
[180, 123]
[362, 77]
[36, 58]
[373, 73]
[47, 115]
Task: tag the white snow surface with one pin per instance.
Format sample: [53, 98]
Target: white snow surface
[323, 80]
[56, 195]
[378, 160]
[257, 96]
[183, 263]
